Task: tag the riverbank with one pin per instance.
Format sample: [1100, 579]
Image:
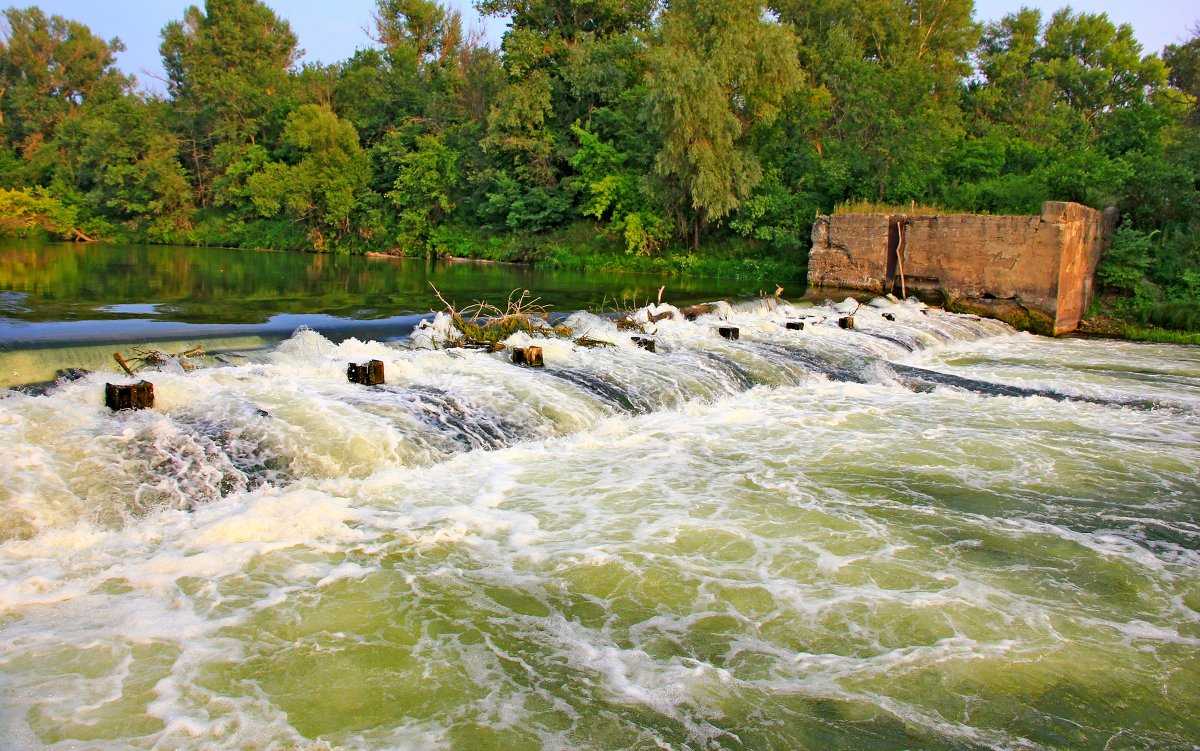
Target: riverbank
[581, 247]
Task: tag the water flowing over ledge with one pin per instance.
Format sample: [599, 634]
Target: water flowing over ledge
[929, 531]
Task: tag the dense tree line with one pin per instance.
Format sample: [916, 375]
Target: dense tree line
[658, 127]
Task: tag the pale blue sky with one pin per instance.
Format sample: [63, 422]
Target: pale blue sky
[331, 31]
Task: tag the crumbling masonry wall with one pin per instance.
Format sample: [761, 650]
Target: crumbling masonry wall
[1034, 271]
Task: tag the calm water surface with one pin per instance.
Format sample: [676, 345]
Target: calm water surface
[927, 533]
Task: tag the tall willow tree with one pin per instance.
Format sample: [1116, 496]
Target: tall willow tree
[227, 66]
[720, 68]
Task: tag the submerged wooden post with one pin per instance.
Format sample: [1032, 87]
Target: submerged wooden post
[368, 374]
[795, 325]
[138, 395]
[847, 322]
[530, 356]
[644, 342]
[729, 332]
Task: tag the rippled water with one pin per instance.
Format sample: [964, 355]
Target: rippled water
[927, 533]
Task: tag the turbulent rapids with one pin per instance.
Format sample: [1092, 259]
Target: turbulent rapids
[927, 531]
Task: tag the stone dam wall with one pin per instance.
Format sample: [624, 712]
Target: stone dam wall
[1035, 272]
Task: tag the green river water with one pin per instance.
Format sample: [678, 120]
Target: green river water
[926, 533]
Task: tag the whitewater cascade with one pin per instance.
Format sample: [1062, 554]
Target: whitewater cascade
[926, 530]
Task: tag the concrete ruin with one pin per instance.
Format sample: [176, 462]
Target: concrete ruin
[1035, 272]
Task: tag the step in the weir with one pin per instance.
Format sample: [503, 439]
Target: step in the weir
[730, 332]
[138, 395]
[846, 322]
[795, 325]
[368, 373]
[645, 342]
[528, 356]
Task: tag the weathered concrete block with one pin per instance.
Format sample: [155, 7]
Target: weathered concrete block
[529, 356]
[368, 374]
[138, 395]
[1045, 264]
[730, 332]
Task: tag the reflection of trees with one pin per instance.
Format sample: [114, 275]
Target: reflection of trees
[211, 285]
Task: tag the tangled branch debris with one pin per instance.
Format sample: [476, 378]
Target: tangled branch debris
[143, 357]
[484, 326]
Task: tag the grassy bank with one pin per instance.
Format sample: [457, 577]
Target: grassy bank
[580, 247]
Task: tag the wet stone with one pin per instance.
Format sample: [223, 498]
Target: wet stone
[730, 332]
[889, 317]
[846, 322]
[368, 374]
[138, 395]
[795, 325]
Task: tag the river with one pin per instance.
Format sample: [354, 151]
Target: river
[930, 532]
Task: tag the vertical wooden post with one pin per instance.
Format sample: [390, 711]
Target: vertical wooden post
[367, 374]
[529, 356]
[138, 395]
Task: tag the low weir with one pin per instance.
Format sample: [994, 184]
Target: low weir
[922, 530]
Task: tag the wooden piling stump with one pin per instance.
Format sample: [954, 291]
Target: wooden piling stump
[368, 374]
[138, 395]
[730, 332]
[846, 322]
[529, 356]
[645, 342]
[795, 325]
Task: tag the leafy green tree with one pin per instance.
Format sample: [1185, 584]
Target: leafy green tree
[893, 70]
[567, 19]
[422, 190]
[50, 68]
[321, 182]
[1183, 62]
[122, 158]
[614, 188]
[422, 33]
[227, 68]
[33, 212]
[719, 68]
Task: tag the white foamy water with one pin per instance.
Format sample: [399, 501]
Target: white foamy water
[922, 533]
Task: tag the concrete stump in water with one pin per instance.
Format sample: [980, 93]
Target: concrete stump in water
[730, 332]
[795, 325]
[644, 342]
[368, 374]
[529, 356]
[138, 395]
[847, 322]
